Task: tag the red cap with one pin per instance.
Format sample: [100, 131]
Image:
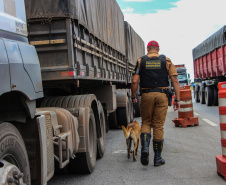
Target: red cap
[153, 43]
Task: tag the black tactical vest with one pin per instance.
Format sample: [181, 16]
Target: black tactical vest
[153, 72]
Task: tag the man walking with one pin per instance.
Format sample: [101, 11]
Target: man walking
[153, 71]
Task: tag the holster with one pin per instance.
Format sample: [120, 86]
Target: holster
[169, 95]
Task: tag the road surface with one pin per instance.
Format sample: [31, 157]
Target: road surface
[189, 153]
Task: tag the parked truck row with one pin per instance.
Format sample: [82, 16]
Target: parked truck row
[65, 74]
[183, 76]
[209, 67]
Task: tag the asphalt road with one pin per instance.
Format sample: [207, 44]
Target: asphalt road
[189, 153]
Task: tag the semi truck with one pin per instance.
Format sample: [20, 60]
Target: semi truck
[183, 76]
[65, 74]
[209, 67]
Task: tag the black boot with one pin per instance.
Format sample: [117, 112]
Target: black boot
[145, 141]
[158, 146]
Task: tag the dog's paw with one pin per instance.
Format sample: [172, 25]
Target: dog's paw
[134, 159]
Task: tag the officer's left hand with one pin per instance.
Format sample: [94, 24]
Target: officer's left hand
[176, 106]
[134, 100]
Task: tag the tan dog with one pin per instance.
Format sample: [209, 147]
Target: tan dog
[132, 132]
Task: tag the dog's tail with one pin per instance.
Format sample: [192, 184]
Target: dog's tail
[126, 132]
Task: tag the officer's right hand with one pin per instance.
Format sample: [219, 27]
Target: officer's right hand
[134, 100]
[176, 106]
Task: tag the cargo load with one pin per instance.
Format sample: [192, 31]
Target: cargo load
[134, 45]
[102, 18]
[209, 67]
[216, 40]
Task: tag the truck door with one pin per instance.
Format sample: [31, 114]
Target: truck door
[4, 70]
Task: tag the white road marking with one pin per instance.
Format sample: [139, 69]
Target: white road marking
[210, 122]
[195, 113]
[120, 152]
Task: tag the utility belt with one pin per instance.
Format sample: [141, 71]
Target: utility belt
[168, 93]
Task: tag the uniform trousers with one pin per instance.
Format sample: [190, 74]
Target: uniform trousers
[154, 106]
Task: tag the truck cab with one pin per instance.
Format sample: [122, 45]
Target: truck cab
[183, 76]
[20, 75]
[20, 87]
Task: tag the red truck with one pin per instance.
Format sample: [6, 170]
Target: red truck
[209, 59]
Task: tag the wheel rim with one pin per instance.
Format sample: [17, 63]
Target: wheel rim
[10, 173]
[10, 159]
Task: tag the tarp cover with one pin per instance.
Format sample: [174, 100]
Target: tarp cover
[134, 44]
[214, 41]
[103, 18]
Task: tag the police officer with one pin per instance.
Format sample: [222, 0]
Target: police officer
[153, 71]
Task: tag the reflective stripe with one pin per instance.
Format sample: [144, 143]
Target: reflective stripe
[186, 102]
[224, 151]
[185, 109]
[222, 118]
[223, 134]
[222, 101]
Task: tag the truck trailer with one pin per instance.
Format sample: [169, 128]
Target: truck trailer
[209, 67]
[65, 74]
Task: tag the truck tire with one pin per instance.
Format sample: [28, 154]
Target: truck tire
[113, 121]
[209, 96]
[215, 96]
[123, 116]
[101, 140]
[202, 97]
[85, 162]
[131, 110]
[197, 98]
[13, 150]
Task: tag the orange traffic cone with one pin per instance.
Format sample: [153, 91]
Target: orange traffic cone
[173, 98]
[221, 159]
[185, 113]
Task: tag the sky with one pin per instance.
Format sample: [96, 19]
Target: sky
[177, 25]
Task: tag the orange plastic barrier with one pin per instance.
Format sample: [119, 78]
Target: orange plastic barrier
[185, 113]
[185, 87]
[173, 98]
[221, 159]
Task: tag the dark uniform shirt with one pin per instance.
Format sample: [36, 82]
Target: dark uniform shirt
[171, 69]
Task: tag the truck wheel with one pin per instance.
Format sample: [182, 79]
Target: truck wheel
[13, 156]
[101, 140]
[131, 110]
[202, 97]
[197, 98]
[123, 116]
[85, 162]
[215, 96]
[137, 107]
[112, 119]
[209, 96]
